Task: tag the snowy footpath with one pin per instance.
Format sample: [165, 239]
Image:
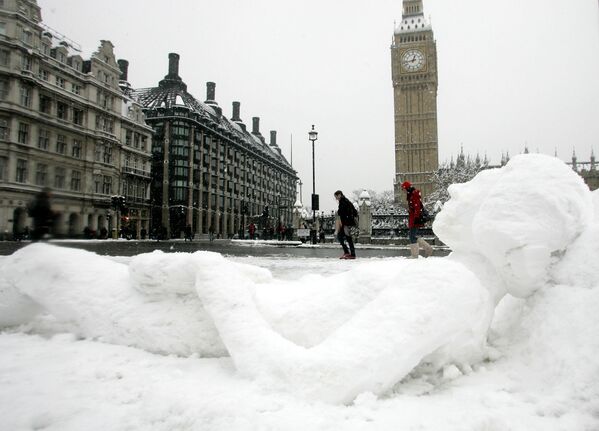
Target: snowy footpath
[500, 335]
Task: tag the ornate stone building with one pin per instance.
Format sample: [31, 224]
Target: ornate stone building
[66, 124]
[414, 71]
[587, 170]
[208, 170]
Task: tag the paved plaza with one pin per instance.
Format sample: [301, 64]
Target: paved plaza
[225, 247]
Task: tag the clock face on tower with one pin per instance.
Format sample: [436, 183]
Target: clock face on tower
[413, 60]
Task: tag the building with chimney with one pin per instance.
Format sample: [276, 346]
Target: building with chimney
[66, 124]
[210, 171]
[414, 72]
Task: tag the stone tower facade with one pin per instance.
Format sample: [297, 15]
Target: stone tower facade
[414, 71]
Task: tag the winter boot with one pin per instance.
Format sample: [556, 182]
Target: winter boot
[413, 251]
[428, 250]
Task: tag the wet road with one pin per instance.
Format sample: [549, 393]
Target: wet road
[225, 247]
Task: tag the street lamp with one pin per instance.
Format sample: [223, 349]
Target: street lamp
[313, 136]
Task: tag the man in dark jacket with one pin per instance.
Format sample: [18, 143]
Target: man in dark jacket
[347, 218]
[414, 221]
[43, 216]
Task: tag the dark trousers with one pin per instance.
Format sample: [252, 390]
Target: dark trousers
[413, 235]
[343, 236]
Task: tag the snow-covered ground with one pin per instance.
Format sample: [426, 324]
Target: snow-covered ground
[501, 335]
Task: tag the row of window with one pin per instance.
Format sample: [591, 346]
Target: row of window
[42, 176]
[136, 140]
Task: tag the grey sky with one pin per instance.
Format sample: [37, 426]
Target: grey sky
[510, 72]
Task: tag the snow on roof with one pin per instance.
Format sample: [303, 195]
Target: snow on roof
[412, 24]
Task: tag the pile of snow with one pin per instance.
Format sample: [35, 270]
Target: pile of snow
[524, 231]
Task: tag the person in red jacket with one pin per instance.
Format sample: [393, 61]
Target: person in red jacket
[414, 221]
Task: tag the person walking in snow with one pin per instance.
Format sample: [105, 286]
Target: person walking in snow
[415, 221]
[188, 233]
[43, 217]
[347, 219]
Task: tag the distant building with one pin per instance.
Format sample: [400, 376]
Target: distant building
[210, 171]
[415, 81]
[587, 170]
[66, 124]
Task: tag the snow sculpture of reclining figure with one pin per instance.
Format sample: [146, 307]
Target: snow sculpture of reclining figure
[362, 330]
[506, 236]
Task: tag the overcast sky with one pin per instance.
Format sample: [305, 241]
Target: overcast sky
[510, 72]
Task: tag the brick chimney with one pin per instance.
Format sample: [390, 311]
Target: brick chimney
[236, 112]
[273, 138]
[211, 93]
[256, 126]
[173, 65]
[124, 66]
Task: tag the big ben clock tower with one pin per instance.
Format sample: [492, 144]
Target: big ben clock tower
[414, 71]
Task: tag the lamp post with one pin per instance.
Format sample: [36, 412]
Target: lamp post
[313, 136]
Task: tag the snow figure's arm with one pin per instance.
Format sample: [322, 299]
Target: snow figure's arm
[374, 350]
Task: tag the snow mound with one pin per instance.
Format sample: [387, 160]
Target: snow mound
[521, 218]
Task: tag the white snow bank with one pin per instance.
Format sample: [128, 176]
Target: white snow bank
[519, 218]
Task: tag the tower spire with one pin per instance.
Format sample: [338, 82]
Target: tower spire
[412, 8]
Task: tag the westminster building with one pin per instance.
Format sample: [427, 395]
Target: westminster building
[208, 171]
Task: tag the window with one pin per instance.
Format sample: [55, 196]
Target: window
[26, 62]
[3, 89]
[4, 57]
[21, 171]
[62, 111]
[128, 137]
[76, 181]
[46, 49]
[78, 116]
[136, 140]
[44, 139]
[41, 174]
[76, 150]
[2, 28]
[60, 82]
[27, 36]
[107, 185]
[76, 89]
[98, 152]
[107, 154]
[3, 168]
[98, 183]
[25, 96]
[44, 75]
[59, 178]
[4, 130]
[23, 136]
[45, 104]
[61, 144]
[143, 143]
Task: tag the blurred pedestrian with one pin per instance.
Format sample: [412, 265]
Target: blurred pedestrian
[252, 230]
[416, 220]
[188, 233]
[40, 210]
[347, 219]
[211, 233]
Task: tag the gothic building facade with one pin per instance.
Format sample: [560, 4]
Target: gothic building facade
[415, 81]
[66, 124]
[209, 171]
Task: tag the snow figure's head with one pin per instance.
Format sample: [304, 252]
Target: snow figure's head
[520, 218]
